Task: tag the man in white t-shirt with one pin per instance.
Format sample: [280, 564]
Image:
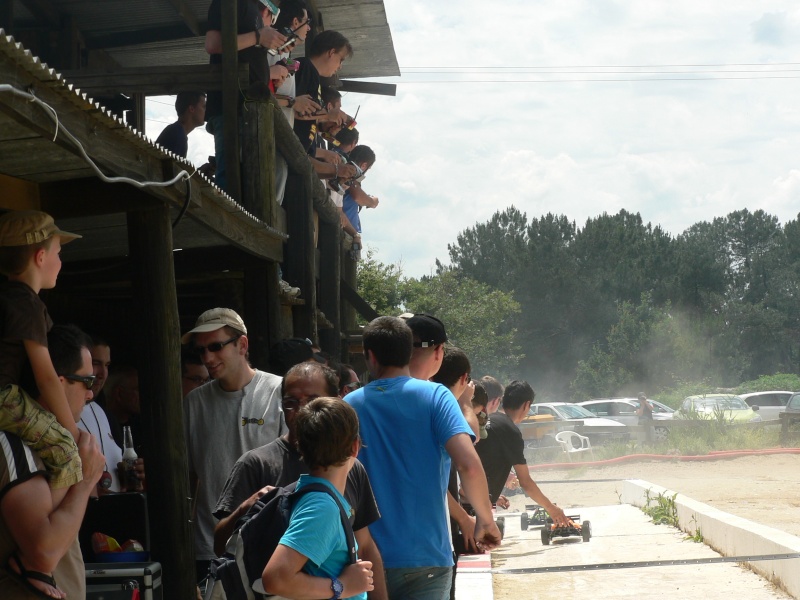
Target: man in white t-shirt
[238, 411]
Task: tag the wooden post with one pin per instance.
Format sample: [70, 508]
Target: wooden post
[258, 161]
[298, 262]
[330, 243]
[230, 99]
[262, 310]
[158, 344]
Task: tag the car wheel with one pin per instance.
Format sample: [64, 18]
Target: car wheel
[586, 531]
[546, 536]
[661, 434]
[523, 521]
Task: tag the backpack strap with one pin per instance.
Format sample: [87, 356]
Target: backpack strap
[348, 528]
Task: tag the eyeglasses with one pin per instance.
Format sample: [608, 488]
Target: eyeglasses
[469, 378]
[215, 347]
[87, 380]
[196, 379]
[290, 403]
[352, 387]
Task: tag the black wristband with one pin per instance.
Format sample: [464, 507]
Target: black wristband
[258, 37]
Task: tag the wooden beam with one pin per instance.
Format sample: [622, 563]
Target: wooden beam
[363, 307]
[188, 16]
[299, 261]
[258, 161]
[230, 99]
[158, 339]
[152, 80]
[43, 11]
[368, 87]
[330, 242]
[165, 33]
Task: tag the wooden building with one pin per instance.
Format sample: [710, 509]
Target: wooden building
[153, 257]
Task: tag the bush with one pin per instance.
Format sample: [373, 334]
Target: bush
[780, 381]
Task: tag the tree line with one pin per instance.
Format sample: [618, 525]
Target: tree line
[616, 306]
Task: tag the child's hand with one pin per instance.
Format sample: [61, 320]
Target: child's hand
[357, 578]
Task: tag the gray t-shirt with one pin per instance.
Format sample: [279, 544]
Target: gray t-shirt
[279, 464]
[220, 426]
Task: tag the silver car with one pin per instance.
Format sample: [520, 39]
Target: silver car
[624, 411]
[770, 404]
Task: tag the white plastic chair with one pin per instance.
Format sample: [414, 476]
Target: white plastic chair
[574, 443]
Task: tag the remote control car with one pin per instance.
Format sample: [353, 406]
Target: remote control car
[537, 516]
[551, 530]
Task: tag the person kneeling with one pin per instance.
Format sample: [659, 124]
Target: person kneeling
[311, 560]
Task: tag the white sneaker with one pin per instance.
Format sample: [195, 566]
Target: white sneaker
[287, 289]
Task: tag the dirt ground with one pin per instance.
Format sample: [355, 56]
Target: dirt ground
[764, 489]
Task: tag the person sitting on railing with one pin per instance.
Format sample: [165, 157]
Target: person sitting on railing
[324, 58]
[355, 198]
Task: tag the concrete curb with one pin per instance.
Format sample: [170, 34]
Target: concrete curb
[728, 534]
[474, 577]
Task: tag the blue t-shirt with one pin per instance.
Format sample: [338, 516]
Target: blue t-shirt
[315, 531]
[405, 424]
[350, 208]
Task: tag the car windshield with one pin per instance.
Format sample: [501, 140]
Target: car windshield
[728, 403]
[573, 411]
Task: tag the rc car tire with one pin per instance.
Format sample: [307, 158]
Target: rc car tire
[523, 521]
[545, 537]
[586, 531]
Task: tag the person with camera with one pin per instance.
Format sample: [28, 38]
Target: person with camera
[356, 198]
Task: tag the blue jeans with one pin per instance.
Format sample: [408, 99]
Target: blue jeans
[419, 583]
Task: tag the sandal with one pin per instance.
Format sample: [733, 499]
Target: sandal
[24, 577]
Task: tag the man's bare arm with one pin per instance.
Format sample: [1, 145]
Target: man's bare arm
[44, 529]
[535, 494]
[473, 481]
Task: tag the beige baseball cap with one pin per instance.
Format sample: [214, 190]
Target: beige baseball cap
[213, 319]
[26, 227]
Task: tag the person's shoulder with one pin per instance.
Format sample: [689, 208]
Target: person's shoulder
[267, 378]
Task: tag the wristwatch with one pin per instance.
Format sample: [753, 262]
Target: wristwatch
[337, 588]
[290, 101]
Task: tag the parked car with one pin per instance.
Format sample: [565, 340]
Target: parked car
[606, 429]
[770, 404]
[624, 411]
[793, 406]
[709, 406]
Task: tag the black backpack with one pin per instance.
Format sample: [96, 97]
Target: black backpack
[255, 538]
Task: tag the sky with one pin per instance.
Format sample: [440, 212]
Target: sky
[681, 111]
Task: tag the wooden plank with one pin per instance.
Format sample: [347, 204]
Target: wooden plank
[230, 99]
[329, 277]
[368, 87]
[258, 161]
[158, 338]
[298, 266]
[188, 16]
[363, 307]
[27, 158]
[152, 80]
[145, 35]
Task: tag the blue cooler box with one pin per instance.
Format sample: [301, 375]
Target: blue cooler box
[117, 581]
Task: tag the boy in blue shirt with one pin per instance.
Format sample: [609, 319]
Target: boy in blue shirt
[311, 560]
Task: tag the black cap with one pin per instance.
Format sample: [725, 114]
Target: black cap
[428, 329]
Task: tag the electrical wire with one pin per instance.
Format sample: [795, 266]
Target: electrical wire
[51, 112]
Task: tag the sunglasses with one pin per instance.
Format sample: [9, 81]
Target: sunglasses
[87, 380]
[215, 347]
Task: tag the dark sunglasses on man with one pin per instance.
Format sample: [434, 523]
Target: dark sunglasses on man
[87, 380]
